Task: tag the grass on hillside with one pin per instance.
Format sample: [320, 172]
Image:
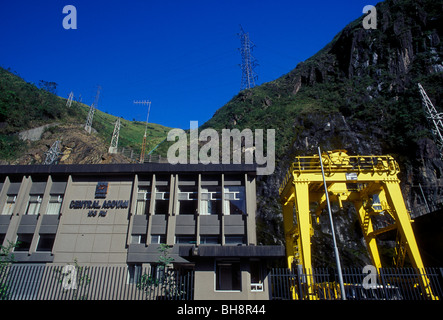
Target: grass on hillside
[24, 106]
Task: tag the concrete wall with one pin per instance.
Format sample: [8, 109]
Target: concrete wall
[205, 277]
[93, 239]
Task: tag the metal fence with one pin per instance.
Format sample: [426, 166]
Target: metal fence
[40, 282]
[387, 284]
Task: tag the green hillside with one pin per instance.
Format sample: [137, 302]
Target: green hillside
[24, 106]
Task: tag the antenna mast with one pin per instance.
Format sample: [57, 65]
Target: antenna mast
[142, 154]
[248, 62]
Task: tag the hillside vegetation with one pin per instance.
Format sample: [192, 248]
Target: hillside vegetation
[24, 106]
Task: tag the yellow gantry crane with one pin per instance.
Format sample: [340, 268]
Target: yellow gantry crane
[369, 182]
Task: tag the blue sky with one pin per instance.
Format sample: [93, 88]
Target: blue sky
[182, 55]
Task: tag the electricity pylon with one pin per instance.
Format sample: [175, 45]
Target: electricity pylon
[53, 153]
[248, 62]
[69, 102]
[435, 117]
[88, 125]
[142, 154]
[115, 135]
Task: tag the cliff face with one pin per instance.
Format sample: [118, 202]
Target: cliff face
[360, 94]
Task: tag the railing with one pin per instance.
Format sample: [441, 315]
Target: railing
[388, 284]
[135, 156]
[340, 162]
[40, 282]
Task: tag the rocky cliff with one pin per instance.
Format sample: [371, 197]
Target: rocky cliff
[360, 94]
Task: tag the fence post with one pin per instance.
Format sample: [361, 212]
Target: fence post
[299, 280]
[383, 283]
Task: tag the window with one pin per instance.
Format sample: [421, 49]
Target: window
[185, 239]
[256, 276]
[210, 200]
[24, 242]
[138, 239]
[10, 204]
[228, 276]
[209, 239]
[45, 242]
[158, 238]
[143, 200]
[35, 200]
[161, 199]
[234, 240]
[134, 273]
[187, 200]
[54, 204]
[234, 201]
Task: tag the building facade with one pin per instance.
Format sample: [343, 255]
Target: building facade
[120, 214]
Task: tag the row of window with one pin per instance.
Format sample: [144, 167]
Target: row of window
[189, 239]
[33, 207]
[228, 275]
[187, 200]
[210, 201]
[23, 242]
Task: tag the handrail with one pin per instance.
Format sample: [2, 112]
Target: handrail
[339, 162]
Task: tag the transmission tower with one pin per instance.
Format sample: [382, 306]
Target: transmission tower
[142, 154]
[115, 135]
[248, 62]
[53, 153]
[88, 125]
[69, 102]
[435, 118]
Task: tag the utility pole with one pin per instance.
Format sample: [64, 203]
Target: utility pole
[88, 125]
[435, 118]
[69, 102]
[148, 103]
[114, 141]
[53, 153]
[337, 257]
[248, 62]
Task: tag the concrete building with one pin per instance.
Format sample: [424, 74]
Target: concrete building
[119, 214]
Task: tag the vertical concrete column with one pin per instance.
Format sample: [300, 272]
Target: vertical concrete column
[19, 209]
[197, 229]
[222, 220]
[63, 209]
[151, 210]
[251, 209]
[132, 210]
[170, 228]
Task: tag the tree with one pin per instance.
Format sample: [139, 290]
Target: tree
[161, 282]
[49, 86]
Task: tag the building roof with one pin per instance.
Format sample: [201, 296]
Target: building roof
[125, 168]
[233, 251]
